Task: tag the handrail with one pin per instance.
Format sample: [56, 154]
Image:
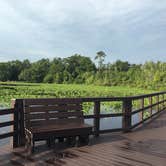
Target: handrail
[102, 99]
[6, 111]
[149, 106]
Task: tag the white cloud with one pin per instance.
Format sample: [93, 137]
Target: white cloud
[61, 27]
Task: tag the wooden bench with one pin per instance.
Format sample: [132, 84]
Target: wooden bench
[48, 119]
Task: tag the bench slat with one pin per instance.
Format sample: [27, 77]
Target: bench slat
[49, 101]
[66, 114]
[39, 108]
[60, 127]
[35, 116]
[49, 115]
[65, 121]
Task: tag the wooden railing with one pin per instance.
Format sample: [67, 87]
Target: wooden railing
[8, 123]
[157, 103]
[144, 106]
[146, 103]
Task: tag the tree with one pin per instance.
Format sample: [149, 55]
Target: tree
[100, 57]
[36, 72]
[55, 71]
[77, 65]
[120, 66]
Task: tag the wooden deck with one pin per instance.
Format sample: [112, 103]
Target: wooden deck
[145, 146]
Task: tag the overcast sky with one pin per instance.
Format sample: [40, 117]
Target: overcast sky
[130, 30]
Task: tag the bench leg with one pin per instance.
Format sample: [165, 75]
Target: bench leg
[61, 139]
[71, 141]
[84, 140]
[33, 147]
[29, 144]
[50, 141]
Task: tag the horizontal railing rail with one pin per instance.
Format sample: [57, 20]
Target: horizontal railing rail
[6, 123]
[147, 107]
[156, 107]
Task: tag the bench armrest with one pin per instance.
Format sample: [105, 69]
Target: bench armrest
[28, 133]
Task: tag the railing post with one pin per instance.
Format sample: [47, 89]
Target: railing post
[142, 106]
[16, 125]
[158, 108]
[127, 109]
[20, 121]
[97, 118]
[150, 103]
[163, 105]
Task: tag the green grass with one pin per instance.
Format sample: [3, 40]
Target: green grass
[13, 90]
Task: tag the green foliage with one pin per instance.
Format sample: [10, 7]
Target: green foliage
[10, 90]
[79, 69]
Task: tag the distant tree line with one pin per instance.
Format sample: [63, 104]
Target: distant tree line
[82, 70]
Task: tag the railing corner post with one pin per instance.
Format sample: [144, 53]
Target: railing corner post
[16, 124]
[19, 136]
[127, 116]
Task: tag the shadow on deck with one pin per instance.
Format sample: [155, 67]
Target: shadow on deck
[145, 146]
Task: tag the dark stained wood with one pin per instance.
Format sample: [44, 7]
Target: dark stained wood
[102, 99]
[145, 96]
[30, 116]
[163, 105]
[97, 118]
[4, 124]
[142, 106]
[150, 102]
[43, 122]
[58, 118]
[16, 136]
[59, 128]
[127, 109]
[51, 101]
[42, 115]
[7, 123]
[39, 108]
[78, 114]
[111, 115]
[20, 113]
[6, 111]
[5, 135]
[157, 98]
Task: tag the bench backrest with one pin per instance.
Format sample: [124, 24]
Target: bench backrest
[52, 111]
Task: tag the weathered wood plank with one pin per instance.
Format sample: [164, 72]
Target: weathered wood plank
[5, 135]
[4, 124]
[78, 114]
[97, 118]
[127, 110]
[67, 107]
[43, 122]
[6, 111]
[34, 116]
[51, 101]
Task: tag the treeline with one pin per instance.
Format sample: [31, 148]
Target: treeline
[82, 70]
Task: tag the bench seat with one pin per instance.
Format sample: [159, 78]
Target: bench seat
[57, 128]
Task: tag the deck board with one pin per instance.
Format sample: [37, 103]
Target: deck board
[145, 146]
